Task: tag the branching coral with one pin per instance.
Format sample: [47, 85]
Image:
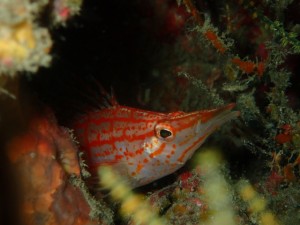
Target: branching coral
[245, 77]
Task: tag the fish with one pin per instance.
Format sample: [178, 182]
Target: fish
[140, 145]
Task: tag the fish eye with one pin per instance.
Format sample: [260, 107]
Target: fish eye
[164, 131]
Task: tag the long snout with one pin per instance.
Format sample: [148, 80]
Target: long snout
[210, 120]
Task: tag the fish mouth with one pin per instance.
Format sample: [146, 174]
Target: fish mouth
[211, 120]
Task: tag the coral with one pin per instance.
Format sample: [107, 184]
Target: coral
[65, 9]
[202, 196]
[205, 195]
[24, 43]
[257, 204]
[44, 159]
[246, 76]
[132, 205]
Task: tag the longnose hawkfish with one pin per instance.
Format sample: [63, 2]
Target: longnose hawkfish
[141, 145]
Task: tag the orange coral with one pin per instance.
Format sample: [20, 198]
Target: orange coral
[249, 67]
[260, 68]
[213, 38]
[246, 66]
[289, 173]
[44, 158]
[283, 138]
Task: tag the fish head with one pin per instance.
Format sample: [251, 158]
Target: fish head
[177, 136]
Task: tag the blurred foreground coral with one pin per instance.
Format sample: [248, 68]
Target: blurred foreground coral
[44, 158]
[24, 43]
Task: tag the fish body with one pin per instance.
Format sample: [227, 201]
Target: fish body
[141, 145]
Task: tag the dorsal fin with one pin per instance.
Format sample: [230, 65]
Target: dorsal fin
[107, 100]
[96, 96]
[83, 95]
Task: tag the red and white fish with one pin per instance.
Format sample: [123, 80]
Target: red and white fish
[144, 146]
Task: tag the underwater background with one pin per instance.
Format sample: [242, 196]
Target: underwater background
[161, 55]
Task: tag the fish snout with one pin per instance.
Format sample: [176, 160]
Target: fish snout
[210, 120]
